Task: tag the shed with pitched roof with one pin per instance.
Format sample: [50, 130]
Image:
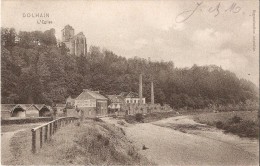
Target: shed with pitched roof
[12, 110]
[32, 111]
[44, 110]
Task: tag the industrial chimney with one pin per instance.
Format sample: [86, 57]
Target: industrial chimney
[152, 94]
[140, 89]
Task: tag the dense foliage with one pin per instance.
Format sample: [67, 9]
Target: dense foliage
[46, 73]
[238, 126]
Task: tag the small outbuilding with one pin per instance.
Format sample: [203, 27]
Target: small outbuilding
[32, 111]
[60, 109]
[115, 105]
[70, 102]
[18, 111]
[44, 110]
[6, 110]
[12, 110]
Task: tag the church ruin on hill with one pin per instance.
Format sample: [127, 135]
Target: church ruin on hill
[77, 44]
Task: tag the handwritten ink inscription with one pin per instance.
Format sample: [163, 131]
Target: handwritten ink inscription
[215, 10]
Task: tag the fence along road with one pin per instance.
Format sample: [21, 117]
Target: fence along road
[47, 130]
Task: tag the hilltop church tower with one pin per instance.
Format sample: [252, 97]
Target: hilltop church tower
[77, 44]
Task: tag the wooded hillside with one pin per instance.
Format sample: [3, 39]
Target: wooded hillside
[45, 73]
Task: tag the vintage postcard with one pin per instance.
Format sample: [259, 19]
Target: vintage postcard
[143, 82]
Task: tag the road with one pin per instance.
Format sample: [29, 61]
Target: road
[8, 131]
[191, 146]
[6, 154]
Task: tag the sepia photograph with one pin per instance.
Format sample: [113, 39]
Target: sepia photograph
[130, 82]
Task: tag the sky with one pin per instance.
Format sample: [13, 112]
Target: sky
[204, 32]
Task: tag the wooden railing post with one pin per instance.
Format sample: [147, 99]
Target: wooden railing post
[33, 141]
[53, 127]
[46, 133]
[50, 129]
[41, 137]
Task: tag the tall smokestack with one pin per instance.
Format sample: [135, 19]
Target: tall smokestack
[152, 94]
[140, 89]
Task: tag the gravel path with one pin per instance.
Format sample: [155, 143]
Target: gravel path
[167, 146]
[6, 154]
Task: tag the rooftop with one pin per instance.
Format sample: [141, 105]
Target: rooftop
[116, 98]
[87, 94]
[68, 27]
[129, 95]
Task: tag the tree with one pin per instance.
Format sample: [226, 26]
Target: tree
[46, 73]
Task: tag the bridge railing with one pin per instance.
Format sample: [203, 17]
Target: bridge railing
[44, 132]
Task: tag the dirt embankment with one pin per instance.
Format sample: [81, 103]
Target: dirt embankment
[181, 141]
[91, 143]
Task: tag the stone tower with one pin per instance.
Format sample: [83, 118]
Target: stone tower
[77, 44]
[67, 33]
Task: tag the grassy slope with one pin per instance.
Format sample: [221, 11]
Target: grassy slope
[95, 143]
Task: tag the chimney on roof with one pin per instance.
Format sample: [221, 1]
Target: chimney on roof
[152, 94]
[85, 90]
[140, 89]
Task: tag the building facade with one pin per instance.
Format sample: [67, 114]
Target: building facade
[91, 103]
[77, 44]
[70, 102]
[115, 104]
[132, 98]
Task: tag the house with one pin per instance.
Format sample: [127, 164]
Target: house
[12, 110]
[70, 102]
[44, 110]
[92, 103]
[132, 98]
[115, 103]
